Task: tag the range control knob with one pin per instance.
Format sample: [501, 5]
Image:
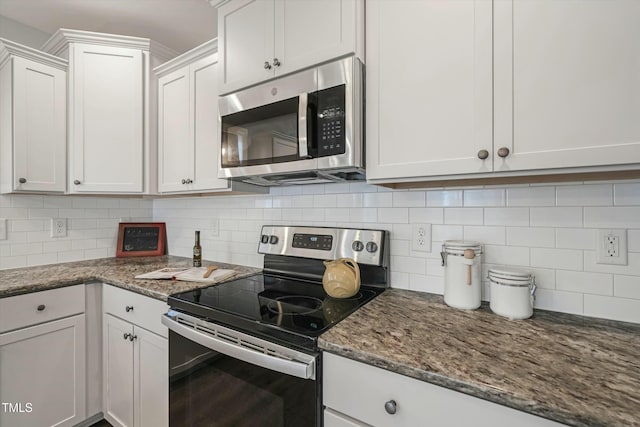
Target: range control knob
[264, 239]
[273, 239]
[372, 247]
[357, 246]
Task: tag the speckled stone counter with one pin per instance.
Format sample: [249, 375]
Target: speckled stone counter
[575, 370]
[120, 272]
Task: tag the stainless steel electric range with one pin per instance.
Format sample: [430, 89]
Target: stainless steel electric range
[244, 353]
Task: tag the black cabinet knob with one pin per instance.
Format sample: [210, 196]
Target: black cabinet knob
[76, 181]
[22, 180]
[41, 307]
[128, 308]
[391, 407]
[126, 336]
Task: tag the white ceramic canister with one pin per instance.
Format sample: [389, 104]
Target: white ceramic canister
[462, 263]
[512, 292]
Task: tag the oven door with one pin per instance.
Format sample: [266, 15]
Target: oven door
[220, 377]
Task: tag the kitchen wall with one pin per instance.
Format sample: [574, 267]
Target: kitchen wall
[20, 33]
[92, 227]
[549, 228]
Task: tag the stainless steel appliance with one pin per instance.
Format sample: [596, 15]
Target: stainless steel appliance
[244, 353]
[303, 128]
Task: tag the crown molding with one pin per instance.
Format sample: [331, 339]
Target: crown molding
[59, 41]
[9, 48]
[218, 3]
[205, 49]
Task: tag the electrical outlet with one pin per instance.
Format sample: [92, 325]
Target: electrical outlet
[214, 228]
[3, 229]
[58, 227]
[421, 237]
[612, 247]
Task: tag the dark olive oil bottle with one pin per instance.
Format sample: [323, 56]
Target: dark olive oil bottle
[197, 252]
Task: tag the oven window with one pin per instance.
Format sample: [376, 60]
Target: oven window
[210, 389]
[263, 135]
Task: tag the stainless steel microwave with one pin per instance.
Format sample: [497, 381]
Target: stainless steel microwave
[303, 128]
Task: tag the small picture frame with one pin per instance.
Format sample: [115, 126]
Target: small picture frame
[141, 239]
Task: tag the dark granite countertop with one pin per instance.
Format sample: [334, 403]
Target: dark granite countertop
[120, 272]
[572, 369]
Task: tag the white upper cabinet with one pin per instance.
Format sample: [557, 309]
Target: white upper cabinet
[112, 110]
[501, 88]
[33, 128]
[567, 83]
[428, 87]
[188, 130]
[261, 39]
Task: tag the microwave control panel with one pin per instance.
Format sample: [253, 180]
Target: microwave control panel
[331, 126]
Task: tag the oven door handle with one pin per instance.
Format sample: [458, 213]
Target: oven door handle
[303, 102]
[304, 370]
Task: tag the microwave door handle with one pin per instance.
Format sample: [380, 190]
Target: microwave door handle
[302, 125]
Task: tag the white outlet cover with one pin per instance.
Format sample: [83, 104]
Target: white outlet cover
[58, 227]
[421, 237]
[601, 250]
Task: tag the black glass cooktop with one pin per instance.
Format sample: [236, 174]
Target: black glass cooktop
[289, 310]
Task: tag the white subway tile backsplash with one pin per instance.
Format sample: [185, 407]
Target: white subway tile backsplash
[585, 195]
[627, 194]
[425, 283]
[444, 198]
[350, 200]
[377, 200]
[531, 196]
[426, 215]
[485, 235]
[556, 217]
[622, 309]
[576, 238]
[584, 282]
[612, 217]
[506, 255]
[409, 199]
[532, 237]
[440, 233]
[507, 216]
[407, 264]
[519, 225]
[631, 269]
[566, 302]
[626, 286]
[485, 197]
[393, 215]
[562, 259]
[463, 216]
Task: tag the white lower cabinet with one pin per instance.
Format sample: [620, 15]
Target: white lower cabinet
[357, 394]
[135, 376]
[43, 362]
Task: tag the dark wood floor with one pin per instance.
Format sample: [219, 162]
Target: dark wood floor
[101, 423]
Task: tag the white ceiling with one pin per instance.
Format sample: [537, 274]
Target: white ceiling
[178, 24]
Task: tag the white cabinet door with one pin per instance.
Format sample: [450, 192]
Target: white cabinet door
[40, 128]
[567, 83]
[206, 133]
[118, 372]
[44, 366]
[175, 145]
[106, 140]
[429, 112]
[151, 367]
[245, 43]
[308, 32]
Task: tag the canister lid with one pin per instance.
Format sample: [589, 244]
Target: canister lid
[510, 276]
[458, 247]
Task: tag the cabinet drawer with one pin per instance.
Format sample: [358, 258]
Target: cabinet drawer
[361, 392]
[39, 307]
[138, 309]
